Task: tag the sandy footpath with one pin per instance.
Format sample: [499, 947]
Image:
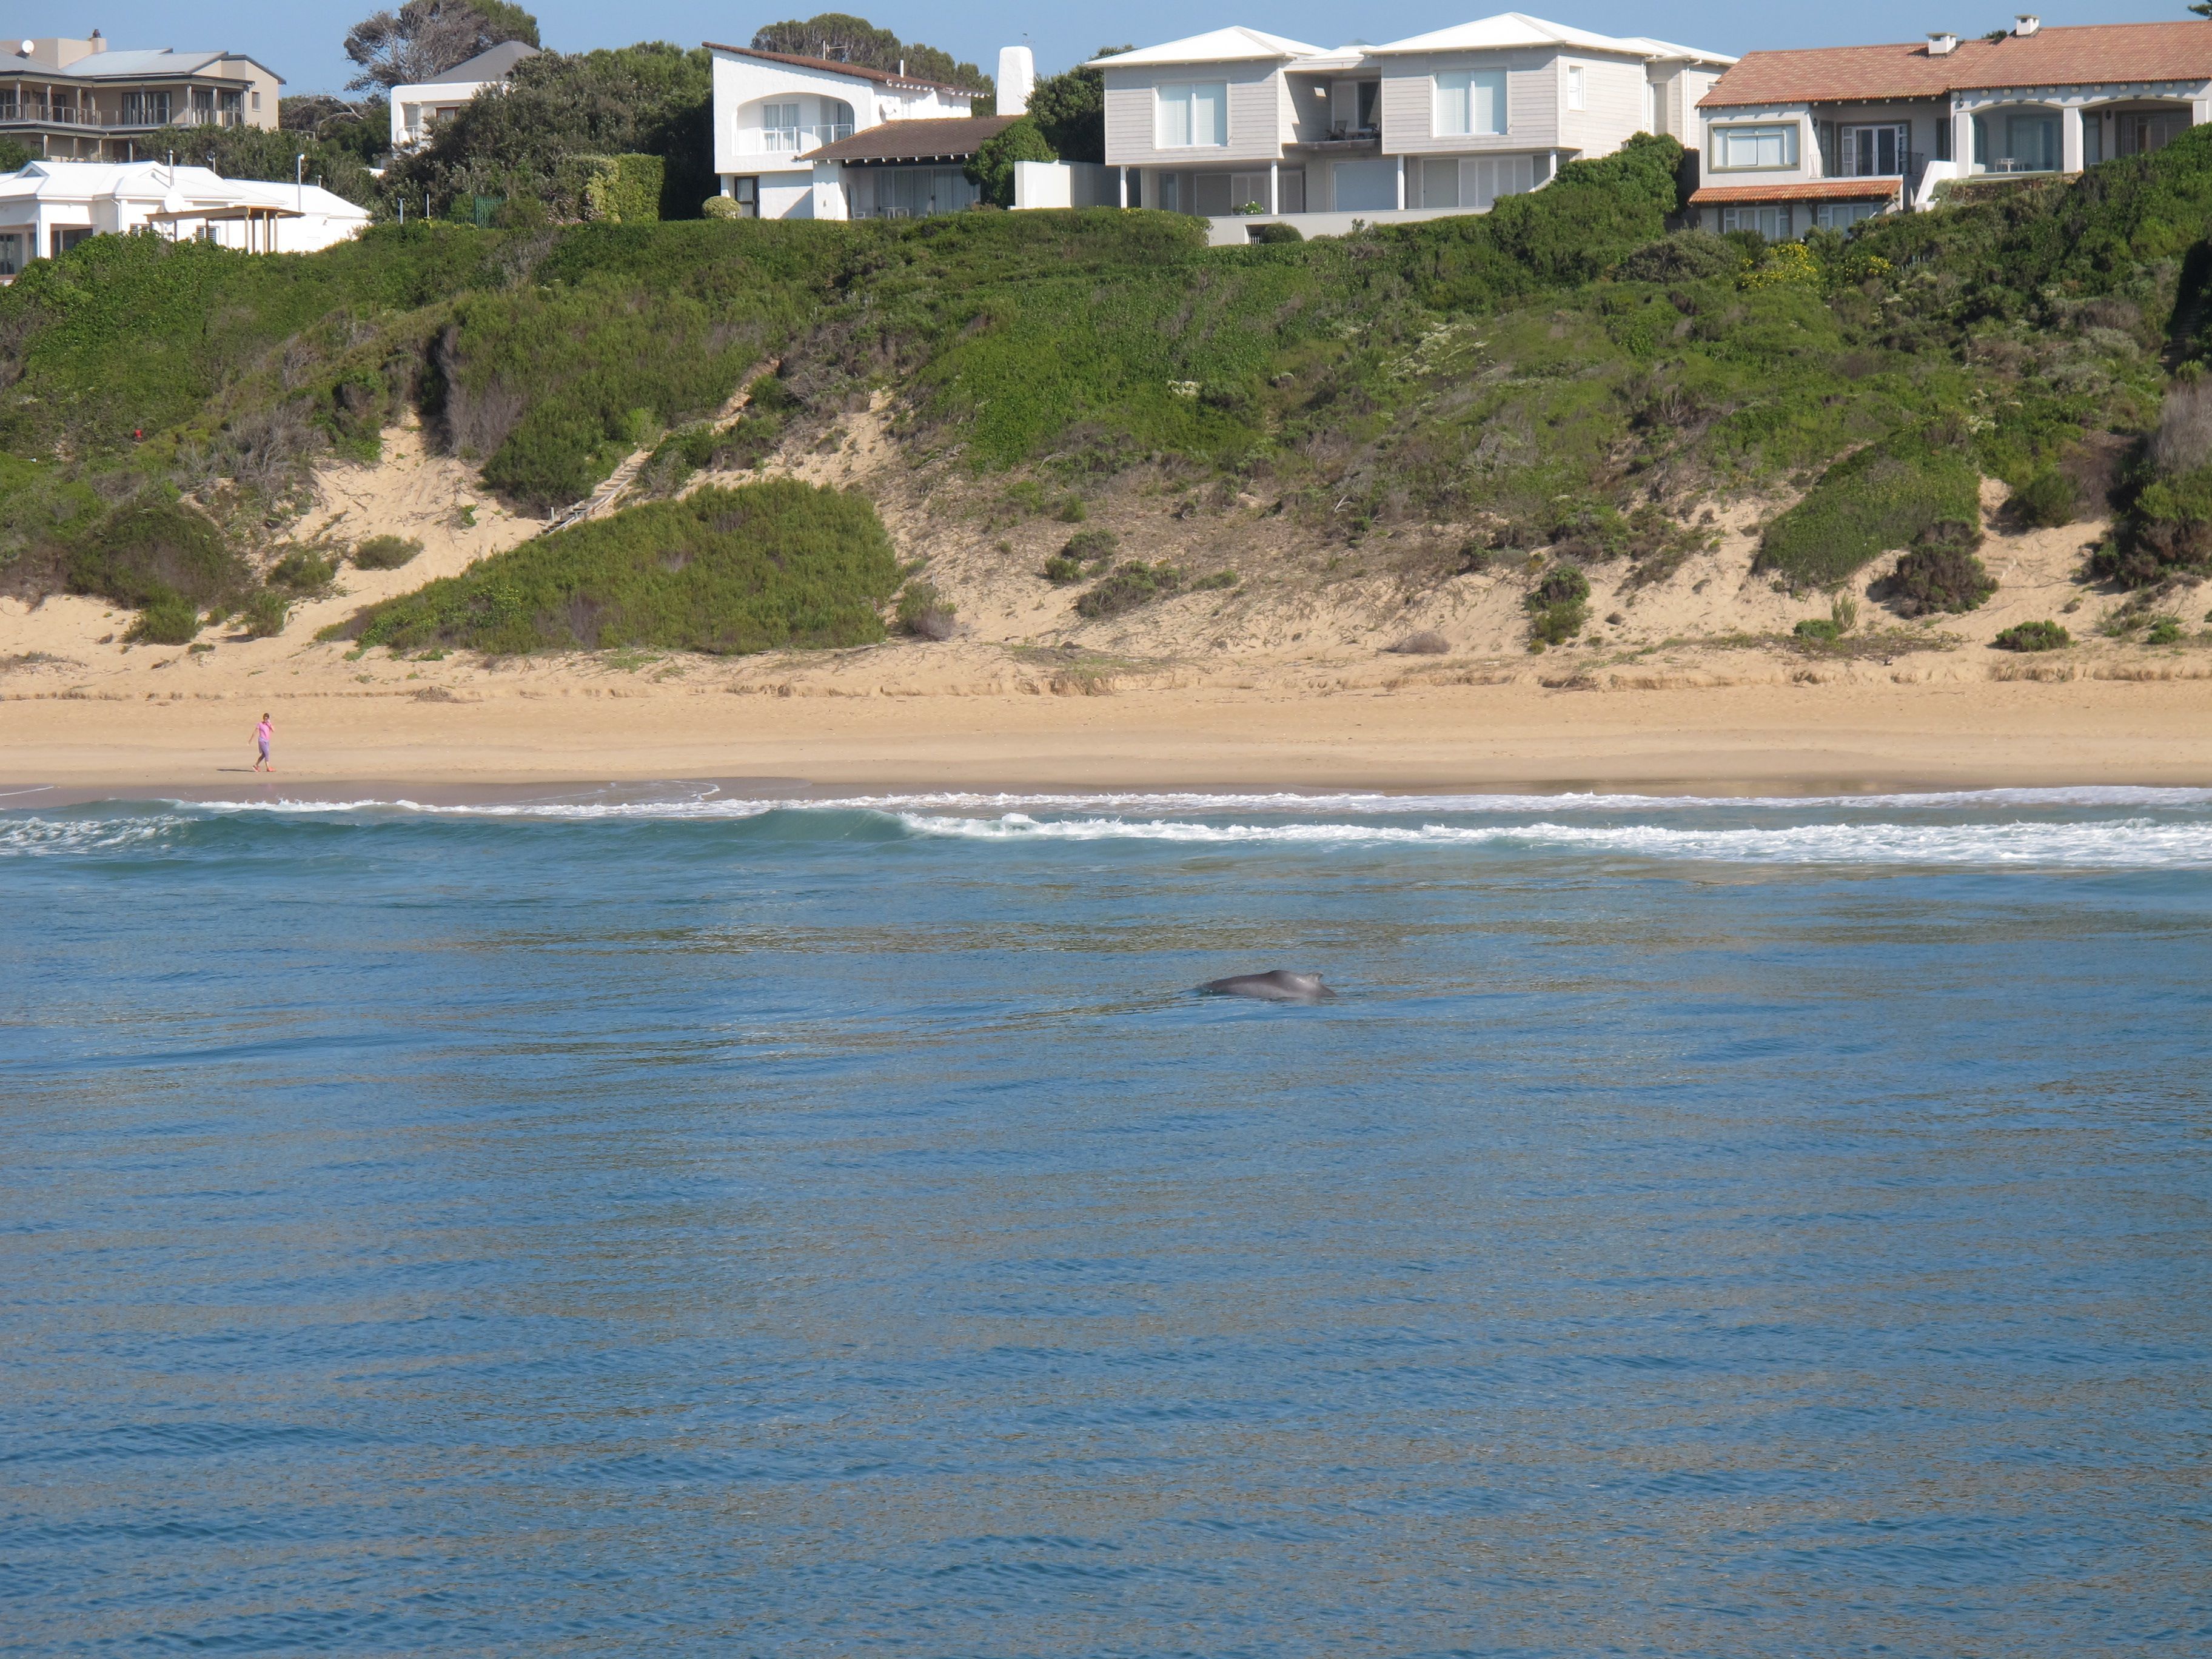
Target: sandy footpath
[1742, 738]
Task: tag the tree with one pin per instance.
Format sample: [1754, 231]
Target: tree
[1070, 111]
[14, 156]
[252, 152]
[992, 165]
[425, 38]
[848, 39]
[653, 99]
[360, 127]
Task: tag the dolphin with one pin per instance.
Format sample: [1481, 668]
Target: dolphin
[1278, 987]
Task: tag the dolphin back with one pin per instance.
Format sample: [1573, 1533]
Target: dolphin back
[1277, 986]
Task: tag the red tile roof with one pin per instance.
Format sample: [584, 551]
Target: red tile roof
[2097, 54]
[1820, 190]
[857, 71]
[953, 138]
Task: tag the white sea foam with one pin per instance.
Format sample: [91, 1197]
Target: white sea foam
[52, 837]
[2111, 844]
[709, 803]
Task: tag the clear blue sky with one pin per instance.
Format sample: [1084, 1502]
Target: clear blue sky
[299, 41]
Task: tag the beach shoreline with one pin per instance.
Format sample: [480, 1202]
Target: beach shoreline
[1745, 739]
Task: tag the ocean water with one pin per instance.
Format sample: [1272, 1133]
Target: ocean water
[674, 1223]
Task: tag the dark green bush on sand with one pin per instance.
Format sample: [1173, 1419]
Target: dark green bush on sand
[1818, 630]
[166, 620]
[1885, 496]
[386, 552]
[1558, 605]
[149, 550]
[1130, 585]
[1939, 574]
[2034, 636]
[2048, 500]
[301, 571]
[762, 566]
[264, 614]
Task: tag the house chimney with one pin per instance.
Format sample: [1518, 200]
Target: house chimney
[1943, 44]
[99, 42]
[1017, 79]
[2028, 23]
[901, 68]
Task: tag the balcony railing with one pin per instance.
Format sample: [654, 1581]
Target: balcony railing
[797, 140]
[31, 113]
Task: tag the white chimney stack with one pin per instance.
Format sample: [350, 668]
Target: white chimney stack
[1942, 45]
[2028, 24]
[1017, 80]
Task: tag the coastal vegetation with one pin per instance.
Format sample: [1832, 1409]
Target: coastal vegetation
[722, 571]
[1564, 379]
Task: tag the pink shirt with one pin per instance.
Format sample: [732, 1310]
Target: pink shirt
[264, 732]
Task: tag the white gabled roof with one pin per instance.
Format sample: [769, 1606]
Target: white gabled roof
[1229, 45]
[1513, 29]
[172, 188]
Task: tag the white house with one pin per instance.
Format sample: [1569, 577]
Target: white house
[1826, 136]
[1242, 126]
[416, 110]
[50, 207]
[780, 119]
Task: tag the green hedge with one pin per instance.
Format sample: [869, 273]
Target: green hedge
[1881, 499]
[615, 190]
[728, 571]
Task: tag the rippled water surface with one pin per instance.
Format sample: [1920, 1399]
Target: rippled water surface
[696, 1224]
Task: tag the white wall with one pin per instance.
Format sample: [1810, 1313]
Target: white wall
[1040, 184]
[743, 84]
[1260, 117]
[1535, 86]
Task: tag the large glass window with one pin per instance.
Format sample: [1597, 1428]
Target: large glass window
[1776, 224]
[150, 109]
[11, 252]
[2032, 141]
[779, 126]
[1194, 116]
[1741, 149]
[1470, 101]
[1363, 186]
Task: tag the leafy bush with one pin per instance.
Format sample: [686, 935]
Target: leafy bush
[167, 619]
[1275, 235]
[1556, 624]
[1563, 583]
[386, 552]
[1687, 256]
[302, 570]
[721, 207]
[991, 169]
[2034, 636]
[2164, 630]
[1881, 498]
[612, 189]
[925, 612]
[264, 614]
[1127, 587]
[1818, 630]
[1085, 552]
[1941, 574]
[2048, 500]
[762, 566]
[151, 549]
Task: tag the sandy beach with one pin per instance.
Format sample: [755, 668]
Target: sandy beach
[1763, 738]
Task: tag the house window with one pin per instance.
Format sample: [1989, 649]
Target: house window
[257, 100]
[1874, 152]
[1470, 101]
[1774, 223]
[1248, 190]
[146, 109]
[1475, 182]
[1290, 187]
[1578, 86]
[1194, 116]
[11, 252]
[745, 192]
[1170, 193]
[779, 126]
[1744, 149]
[233, 108]
[2030, 143]
[1842, 216]
[63, 240]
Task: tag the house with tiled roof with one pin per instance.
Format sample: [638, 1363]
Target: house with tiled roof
[76, 100]
[800, 137]
[1826, 136]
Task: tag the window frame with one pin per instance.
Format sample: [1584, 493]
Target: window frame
[1577, 96]
[1165, 97]
[1495, 81]
[1793, 146]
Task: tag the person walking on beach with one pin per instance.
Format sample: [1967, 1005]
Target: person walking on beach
[263, 735]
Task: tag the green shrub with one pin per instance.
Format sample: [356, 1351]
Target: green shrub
[167, 619]
[2048, 500]
[1086, 550]
[1687, 256]
[1881, 498]
[925, 612]
[721, 207]
[1127, 587]
[386, 552]
[1818, 630]
[1940, 574]
[1219, 581]
[1563, 583]
[2164, 630]
[991, 169]
[1071, 511]
[2034, 636]
[1275, 235]
[612, 189]
[1556, 624]
[302, 570]
[1061, 571]
[151, 549]
[764, 566]
[264, 614]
